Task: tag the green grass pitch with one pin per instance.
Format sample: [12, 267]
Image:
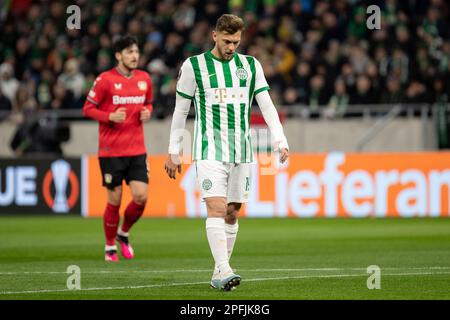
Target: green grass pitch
[277, 259]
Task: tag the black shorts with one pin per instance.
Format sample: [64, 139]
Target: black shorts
[115, 169]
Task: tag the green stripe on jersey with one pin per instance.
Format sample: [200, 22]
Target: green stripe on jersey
[196, 123]
[237, 60]
[212, 75]
[184, 95]
[261, 90]
[202, 109]
[243, 138]
[211, 71]
[251, 62]
[217, 134]
[227, 75]
[231, 132]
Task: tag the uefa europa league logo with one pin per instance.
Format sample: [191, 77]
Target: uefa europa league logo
[60, 172]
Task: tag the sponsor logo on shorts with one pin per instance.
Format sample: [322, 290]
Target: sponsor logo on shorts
[108, 178]
[207, 184]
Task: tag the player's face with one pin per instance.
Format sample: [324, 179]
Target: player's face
[226, 43]
[129, 57]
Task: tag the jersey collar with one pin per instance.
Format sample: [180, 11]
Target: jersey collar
[210, 54]
[123, 74]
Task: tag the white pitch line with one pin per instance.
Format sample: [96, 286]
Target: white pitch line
[106, 288]
[346, 275]
[199, 283]
[106, 271]
[208, 270]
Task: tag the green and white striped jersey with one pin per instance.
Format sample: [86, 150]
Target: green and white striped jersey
[222, 91]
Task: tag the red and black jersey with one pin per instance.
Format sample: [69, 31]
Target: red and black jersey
[113, 90]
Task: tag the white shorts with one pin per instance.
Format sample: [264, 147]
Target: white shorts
[223, 179]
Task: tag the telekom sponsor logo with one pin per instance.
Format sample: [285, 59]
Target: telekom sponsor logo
[128, 100]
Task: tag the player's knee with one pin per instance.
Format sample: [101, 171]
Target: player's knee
[233, 207]
[115, 196]
[231, 218]
[140, 198]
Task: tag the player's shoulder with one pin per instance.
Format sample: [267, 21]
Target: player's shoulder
[103, 78]
[108, 73]
[189, 60]
[141, 73]
[247, 57]
[105, 75]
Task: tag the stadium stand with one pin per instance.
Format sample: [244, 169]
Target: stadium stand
[318, 55]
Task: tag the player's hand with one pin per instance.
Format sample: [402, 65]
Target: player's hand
[145, 114]
[284, 154]
[119, 115]
[172, 165]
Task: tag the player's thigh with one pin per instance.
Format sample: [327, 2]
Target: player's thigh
[212, 178]
[216, 207]
[239, 183]
[112, 169]
[114, 195]
[139, 191]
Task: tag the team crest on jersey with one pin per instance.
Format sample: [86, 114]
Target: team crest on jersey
[241, 73]
[207, 184]
[142, 85]
[108, 178]
[118, 86]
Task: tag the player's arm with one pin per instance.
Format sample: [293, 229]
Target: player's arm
[180, 113]
[95, 98]
[186, 87]
[147, 109]
[270, 113]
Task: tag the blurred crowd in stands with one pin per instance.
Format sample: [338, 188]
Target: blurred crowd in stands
[314, 53]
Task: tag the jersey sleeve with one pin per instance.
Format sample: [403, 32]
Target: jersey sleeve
[260, 80]
[186, 84]
[98, 91]
[149, 95]
[95, 97]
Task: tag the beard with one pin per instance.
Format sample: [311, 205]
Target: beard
[227, 55]
[131, 65]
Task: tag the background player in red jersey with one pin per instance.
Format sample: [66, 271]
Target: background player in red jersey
[121, 100]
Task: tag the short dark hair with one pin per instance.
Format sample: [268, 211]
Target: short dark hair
[229, 23]
[124, 42]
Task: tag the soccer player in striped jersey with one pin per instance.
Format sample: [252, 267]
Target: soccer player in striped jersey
[222, 84]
